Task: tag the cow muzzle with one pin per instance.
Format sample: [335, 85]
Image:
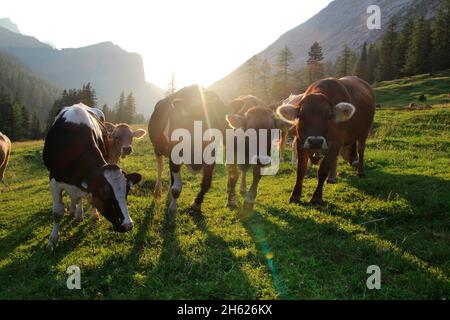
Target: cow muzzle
[127, 150]
[126, 227]
[315, 143]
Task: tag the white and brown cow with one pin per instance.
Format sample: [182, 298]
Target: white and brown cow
[120, 140]
[75, 154]
[5, 150]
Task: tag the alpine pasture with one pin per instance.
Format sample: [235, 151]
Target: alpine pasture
[397, 218]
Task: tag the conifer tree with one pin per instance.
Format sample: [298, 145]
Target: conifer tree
[441, 38]
[315, 62]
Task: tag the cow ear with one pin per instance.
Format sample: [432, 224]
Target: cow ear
[109, 127]
[343, 112]
[133, 178]
[139, 134]
[289, 113]
[283, 124]
[235, 121]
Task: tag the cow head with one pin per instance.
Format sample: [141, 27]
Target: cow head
[259, 118]
[314, 115]
[121, 138]
[109, 194]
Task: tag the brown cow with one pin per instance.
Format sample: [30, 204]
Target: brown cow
[252, 118]
[5, 150]
[332, 114]
[120, 140]
[180, 111]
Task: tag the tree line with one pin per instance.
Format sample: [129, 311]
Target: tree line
[124, 111]
[15, 120]
[419, 46]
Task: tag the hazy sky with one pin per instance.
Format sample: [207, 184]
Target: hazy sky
[200, 41]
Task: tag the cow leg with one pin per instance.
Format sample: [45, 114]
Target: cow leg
[2, 172]
[251, 195]
[243, 186]
[3, 167]
[294, 155]
[175, 186]
[76, 203]
[94, 216]
[323, 172]
[208, 170]
[58, 212]
[302, 167]
[159, 169]
[360, 164]
[282, 144]
[332, 175]
[233, 176]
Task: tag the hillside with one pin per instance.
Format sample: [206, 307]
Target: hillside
[109, 68]
[341, 22]
[401, 92]
[20, 82]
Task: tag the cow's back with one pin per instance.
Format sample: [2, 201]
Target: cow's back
[362, 96]
[73, 147]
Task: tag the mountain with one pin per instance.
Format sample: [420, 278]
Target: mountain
[341, 22]
[20, 82]
[8, 24]
[109, 68]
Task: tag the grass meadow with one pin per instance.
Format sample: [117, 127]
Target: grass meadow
[398, 218]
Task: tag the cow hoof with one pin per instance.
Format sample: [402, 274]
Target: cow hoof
[232, 203]
[248, 206]
[95, 217]
[317, 202]
[331, 180]
[77, 220]
[196, 207]
[157, 192]
[52, 242]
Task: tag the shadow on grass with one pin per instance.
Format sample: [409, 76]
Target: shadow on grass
[332, 253]
[32, 272]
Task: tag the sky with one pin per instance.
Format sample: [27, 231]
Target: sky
[200, 41]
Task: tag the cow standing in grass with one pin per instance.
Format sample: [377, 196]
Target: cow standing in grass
[179, 111]
[5, 150]
[74, 153]
[250, 113]
[333, 116]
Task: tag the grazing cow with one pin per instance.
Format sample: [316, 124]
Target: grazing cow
[179, 111]
[257, 117]
[75, 150]
[120, 140]
[5, 150]
[333, 114]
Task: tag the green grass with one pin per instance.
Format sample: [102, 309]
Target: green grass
[279, 251]
[401, 92]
